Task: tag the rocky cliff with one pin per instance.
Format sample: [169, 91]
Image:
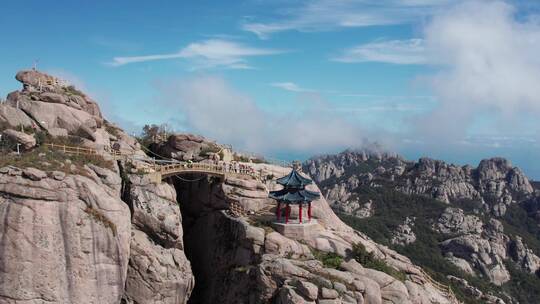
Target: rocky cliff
[85, 227]
[482, 221]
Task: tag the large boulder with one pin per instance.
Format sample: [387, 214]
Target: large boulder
[27, 141]
[186, 147]
[454, 221]
[53, 115]
[14, 117]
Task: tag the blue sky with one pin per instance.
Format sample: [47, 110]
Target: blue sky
[455, 80]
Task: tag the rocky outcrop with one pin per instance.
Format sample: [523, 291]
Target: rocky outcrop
[404, 234]
[63, 238]
[158, 268]
[190, 147]
[49, 89]
[474, 244]
[476, 293]
[495, 183]
[48, 105]
[484, 247]
[523, 256]
[454, 221]
[66, 232]
[27, 141]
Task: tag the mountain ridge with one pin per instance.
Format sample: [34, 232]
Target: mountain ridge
[479, 220]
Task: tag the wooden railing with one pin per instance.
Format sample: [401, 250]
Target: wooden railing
[444, 289]
[73, 150]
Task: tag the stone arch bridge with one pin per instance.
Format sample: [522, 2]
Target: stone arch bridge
[164, 169]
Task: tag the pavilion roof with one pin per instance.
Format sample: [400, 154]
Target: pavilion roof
[294, 196]
[294, 180]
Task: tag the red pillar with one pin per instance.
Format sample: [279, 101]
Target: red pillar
[287, 213]
[309, 211]
[300, 213]
[278, 211]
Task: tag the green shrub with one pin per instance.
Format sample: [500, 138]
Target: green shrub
[525, 287]
[368, 260]
[73, 91]
[41, 137]
[328, 259]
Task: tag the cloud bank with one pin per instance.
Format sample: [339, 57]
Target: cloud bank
[489, 70]
[210, 106]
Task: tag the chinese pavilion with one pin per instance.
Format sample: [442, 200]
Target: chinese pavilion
[293, 193]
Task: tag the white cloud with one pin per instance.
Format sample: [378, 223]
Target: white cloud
[489, 71]
[211, 107]
[291, 86]
[322, 15]
[410, 51]
[207, 54]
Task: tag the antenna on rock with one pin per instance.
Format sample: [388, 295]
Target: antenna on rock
[34, 68]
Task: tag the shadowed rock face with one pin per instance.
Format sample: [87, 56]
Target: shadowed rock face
[222, 249]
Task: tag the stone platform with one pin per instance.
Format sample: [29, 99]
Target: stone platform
[295, 230]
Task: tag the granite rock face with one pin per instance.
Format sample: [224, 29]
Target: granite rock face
[53, 90]
[79, 216]
[46, 104]
[159, 271]
[404, 234]
[61, 240]
[14, 117]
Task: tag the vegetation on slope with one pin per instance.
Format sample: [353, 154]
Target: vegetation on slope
[393, 207]
[46, 159]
